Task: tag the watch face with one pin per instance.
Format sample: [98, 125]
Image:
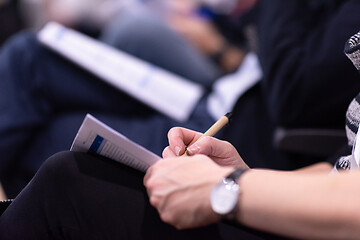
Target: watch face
[224, 196]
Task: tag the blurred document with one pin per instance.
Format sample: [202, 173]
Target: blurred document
[228, 89]
[162, 90]
[97, 138]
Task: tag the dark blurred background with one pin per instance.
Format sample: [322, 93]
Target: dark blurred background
[10, 19]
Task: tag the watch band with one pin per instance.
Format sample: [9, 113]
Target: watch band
[235, 175]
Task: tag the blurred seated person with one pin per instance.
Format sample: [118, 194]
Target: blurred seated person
[215, 31]
[44, 98]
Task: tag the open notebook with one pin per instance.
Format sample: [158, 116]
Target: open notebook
[96, 137]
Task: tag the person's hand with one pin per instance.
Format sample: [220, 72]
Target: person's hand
[180, 189]
[199, 31]
[221, 152]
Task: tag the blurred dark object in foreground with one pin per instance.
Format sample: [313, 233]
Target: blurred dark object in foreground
[10, 20]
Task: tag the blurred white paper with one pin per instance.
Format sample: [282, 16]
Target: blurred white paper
[96, 137]
[228, 89]
[162, 90]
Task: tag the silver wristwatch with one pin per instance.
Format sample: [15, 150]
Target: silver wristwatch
[224, 196]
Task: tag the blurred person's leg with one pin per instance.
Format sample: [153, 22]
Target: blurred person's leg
[80, 196]
[36, 85]
[146, 35]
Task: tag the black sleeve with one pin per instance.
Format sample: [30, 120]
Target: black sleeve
[308, 81]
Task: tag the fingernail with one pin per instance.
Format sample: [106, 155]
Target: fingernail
[193, 149]
[177, 150]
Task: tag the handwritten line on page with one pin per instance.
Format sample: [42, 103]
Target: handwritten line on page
[96, 137]
[162, 90]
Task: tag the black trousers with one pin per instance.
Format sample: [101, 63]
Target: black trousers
[80, 196]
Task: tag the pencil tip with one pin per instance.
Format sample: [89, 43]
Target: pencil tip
[228, 115]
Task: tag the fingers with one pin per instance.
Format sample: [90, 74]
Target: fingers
[147, 176]
[196, 143]
[179, 138]
[167, 153]
[209, 146]
[221, 152]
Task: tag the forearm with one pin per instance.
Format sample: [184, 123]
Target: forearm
[301, 206]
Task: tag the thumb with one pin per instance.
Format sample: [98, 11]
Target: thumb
[206, 145]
